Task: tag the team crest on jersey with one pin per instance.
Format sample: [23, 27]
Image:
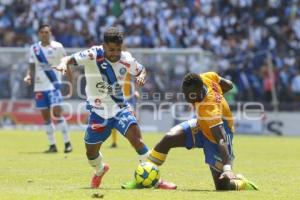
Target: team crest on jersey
[50, 52]
[122, 71]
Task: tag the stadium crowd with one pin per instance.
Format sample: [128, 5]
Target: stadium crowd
[241, 34]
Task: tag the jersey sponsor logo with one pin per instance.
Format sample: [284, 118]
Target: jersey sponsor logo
[216, 92]
[104, 87]
[96, 127]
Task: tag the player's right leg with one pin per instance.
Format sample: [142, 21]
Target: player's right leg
[55, 99]
[42, 103]
[95, 158]
[49, 130]
[97, 132]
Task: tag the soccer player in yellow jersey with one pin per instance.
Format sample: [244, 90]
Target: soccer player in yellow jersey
[211, 130]
[131, 95]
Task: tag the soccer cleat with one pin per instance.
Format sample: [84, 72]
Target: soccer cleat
[96, 180]
[248, 185]
[68, 147]
[131, 185]
[52, 149]
[165, 185]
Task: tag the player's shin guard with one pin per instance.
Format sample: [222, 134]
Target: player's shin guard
[143, 153]
[63, 126]
[157, 157]
[50, 133]
[97, 164]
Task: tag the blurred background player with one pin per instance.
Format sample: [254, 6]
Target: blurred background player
[43, 55]
[132, 96]
[105, 70]
[212, 130]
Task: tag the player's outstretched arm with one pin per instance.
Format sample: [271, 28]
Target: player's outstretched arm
[225, 84]
[64, 63]
[219, 133]
[141, 78]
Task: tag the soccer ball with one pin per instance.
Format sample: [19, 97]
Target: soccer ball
[147, 174]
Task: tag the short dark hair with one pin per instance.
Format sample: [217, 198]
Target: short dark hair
[114, 35]
[43, 26]
[192, 86]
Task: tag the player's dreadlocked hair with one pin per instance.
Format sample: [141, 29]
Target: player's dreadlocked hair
[114, 35]
[192, 86]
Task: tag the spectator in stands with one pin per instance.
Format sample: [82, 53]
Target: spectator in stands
[295, 86]
[237, 31]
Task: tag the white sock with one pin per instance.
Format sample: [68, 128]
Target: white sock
[143, 157]
[63, 126]
[50, 133]
[97, 164]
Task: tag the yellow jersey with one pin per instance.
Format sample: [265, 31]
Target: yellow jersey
[213, 109]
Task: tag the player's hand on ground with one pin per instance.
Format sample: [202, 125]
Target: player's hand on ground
[61, 67]
[227, 175]
[140, 80]
[27, 79]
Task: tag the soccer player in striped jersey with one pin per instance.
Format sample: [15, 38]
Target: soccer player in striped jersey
[211, 130]
[105, 68]
[43, 55]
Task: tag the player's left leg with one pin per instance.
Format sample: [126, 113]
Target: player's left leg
[49, 130]
[126, 124]
[55, 99]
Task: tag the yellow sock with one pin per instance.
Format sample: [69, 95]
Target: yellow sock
[114, 136]
[156, 157]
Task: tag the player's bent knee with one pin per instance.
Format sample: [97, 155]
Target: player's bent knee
[92, 151]
[167, 140]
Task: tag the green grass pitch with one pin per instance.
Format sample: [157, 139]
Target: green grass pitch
[273, 163]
